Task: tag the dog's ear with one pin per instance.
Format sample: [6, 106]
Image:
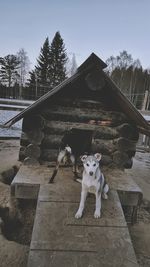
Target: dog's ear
[83, 158]
[98, 156]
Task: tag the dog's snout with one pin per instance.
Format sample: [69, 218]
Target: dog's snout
[90, 173]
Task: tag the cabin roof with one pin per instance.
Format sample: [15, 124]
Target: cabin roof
[85, 68]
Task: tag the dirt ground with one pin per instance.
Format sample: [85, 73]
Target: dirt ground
[140, 232]
[15, 254]
[12, 253]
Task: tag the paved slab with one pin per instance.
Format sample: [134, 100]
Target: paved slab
[59, 239]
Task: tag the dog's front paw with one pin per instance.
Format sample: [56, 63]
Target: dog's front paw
[104, 196]
[78, 215]
[97, 214]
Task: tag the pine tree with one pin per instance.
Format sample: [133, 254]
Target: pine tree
[9, 70]
[31, 93]
[42, 68]
[58, 59]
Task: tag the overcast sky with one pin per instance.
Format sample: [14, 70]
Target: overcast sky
[105, 27]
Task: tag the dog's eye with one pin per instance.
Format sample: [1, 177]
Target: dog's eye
[94, 164]
[87, 164]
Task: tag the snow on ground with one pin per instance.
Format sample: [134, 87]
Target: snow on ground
[140, 173]
[13, 131]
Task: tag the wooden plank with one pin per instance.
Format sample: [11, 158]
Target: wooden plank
[27, 191]
[79, 102]
[79, 238]
[58, 240]
[74, 114]
[120, 180]
[28, 179]
[31, 177]
[106, 257]
[129, 192]
[59, 127]
[37, 174]
[66, 194]
[111, 208]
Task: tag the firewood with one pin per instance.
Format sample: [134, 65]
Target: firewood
[124, 144]
[104, 132]
[49, 154]
[84, 115]
[22, 154]
[32, 122]
[120, 158]
[59, 127]
[32, 137]
[24, 141]
[51, 141]
[32, 151]
[106, 160]
[79, 103]
[103, 146]
[30, 161]
[128, 131]
[128, 164]
[35, 136]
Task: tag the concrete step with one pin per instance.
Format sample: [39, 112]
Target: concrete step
[59, 239]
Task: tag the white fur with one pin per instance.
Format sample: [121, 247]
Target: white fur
[93, 182]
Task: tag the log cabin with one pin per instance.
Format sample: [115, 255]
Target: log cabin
[90, 102]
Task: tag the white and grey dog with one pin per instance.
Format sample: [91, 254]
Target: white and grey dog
[93, 182]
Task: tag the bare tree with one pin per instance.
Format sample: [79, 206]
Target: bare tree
[23, 69]
[73, 65]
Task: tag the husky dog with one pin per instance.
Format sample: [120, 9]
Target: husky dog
[65, 155]
[93, 182]
[74, 143]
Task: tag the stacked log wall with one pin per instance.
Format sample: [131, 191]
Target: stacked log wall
[113, 135]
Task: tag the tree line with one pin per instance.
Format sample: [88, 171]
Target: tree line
[130, 77]
[53, 66]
